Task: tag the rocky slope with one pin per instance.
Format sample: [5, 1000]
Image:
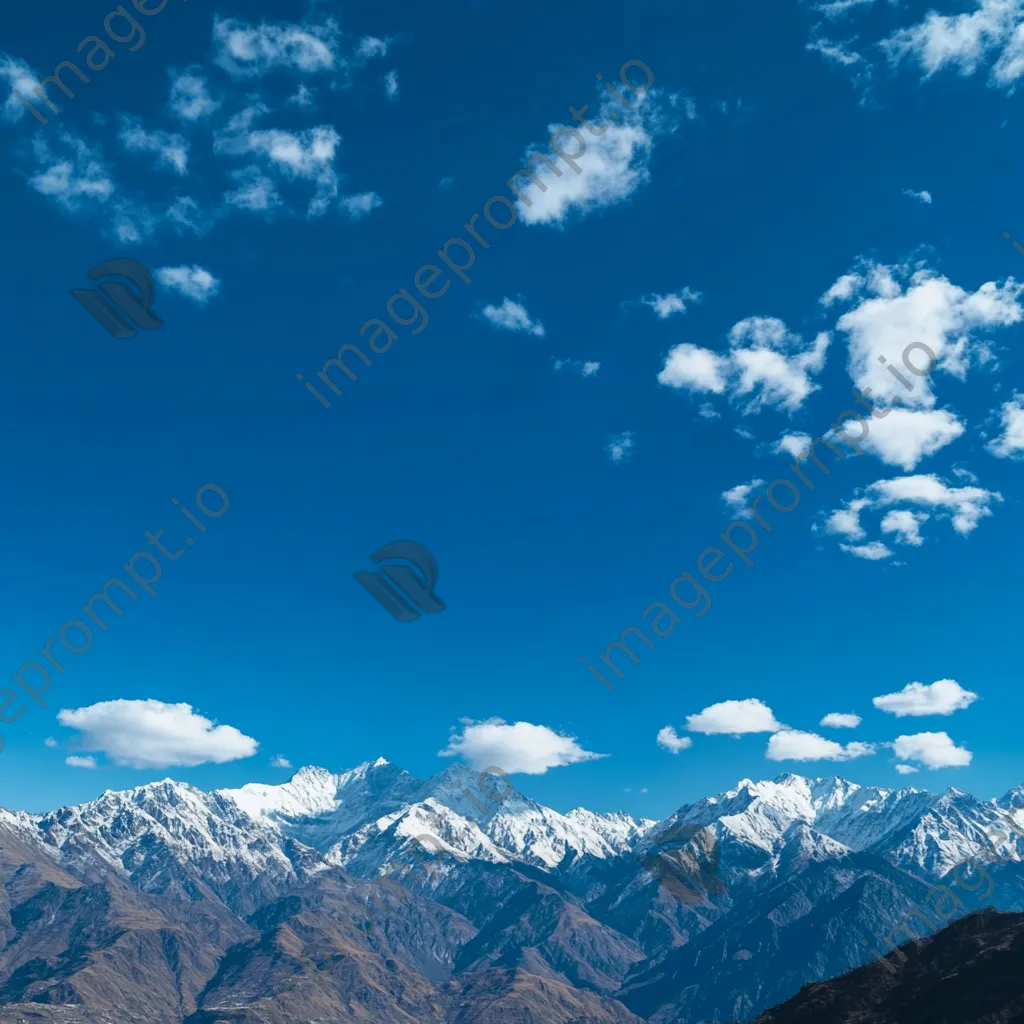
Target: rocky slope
[372, 895]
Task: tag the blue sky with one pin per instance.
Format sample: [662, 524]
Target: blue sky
[802, 189]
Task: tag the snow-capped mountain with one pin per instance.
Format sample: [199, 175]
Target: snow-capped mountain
[775, 883]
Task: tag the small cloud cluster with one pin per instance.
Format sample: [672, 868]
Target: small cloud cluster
[620, 446]
[668, 305]
[586, 368]
[964, 506]
[766, 364]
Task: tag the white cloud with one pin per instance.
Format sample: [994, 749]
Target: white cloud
[1010, 443]
[307, 155]
[839, 720]
[184, 213]
[244, 49]
[170, 149]
[906, 769]
[50, 741]
[794, 745]
[195, 282]
[765, 361]
[932, 749]
[586, 368]
[964, 506]
[280, 762]
[371, 46]
[942, 697]
[668, 305]
[75, 177]
[359, 205]
[523, 747]
[708, 412]
[620, 446]
[190, 98]
[21, 79]
[614, 165]
[256, 192]
[836, 8]
[905, 525]
[965, 41]
[874, 551]
[668, 738]
[733, 718]
[303, 96]
[792, 444]
[922, 197]
[391, 84]
[697, 369]
[903, 437]
[738, 498]
[81, 762]
[835, 52]
[152, 734]
[512, 316]
[896, 307]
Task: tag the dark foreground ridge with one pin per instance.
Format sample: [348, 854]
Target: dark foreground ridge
[969, 973]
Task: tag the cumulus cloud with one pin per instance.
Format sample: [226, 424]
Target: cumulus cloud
[734, 718]
[391, 84]
[942, 697]
[359, 205]
[512, 316]
[613, 167]
[906, 769]
[895, 307]
[873, 551]
[921, 197]
[280, 762]
[620, 447]
[245, 50]
[195, 282]
[903, 437]
[794, 745]
[767, 364]
[672, 742]
[963, 506]
[50, 741]
[905, 526]
[190, 97]
[1010, 443]
[668, 305]
[738, 498]
[793, 444]
[152, 734]
[932, 749]
[521, 747]
[839, 720]
[81, 762]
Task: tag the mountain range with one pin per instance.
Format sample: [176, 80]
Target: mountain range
[371, 895]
